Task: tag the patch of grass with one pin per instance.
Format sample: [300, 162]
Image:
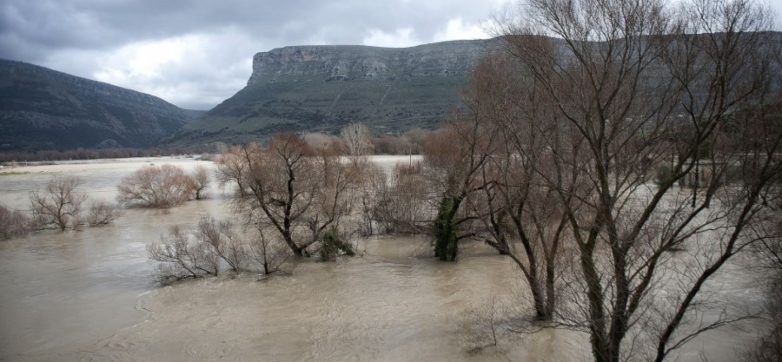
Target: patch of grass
[13, 173]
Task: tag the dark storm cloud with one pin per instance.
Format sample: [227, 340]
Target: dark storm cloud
[196, 53]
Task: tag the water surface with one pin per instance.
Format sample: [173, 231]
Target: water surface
[89, 294]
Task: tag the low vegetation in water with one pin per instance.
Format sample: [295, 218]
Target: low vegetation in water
[13, 223]
[213, 248]
[162, 186]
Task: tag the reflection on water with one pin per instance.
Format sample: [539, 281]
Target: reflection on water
[88, 295]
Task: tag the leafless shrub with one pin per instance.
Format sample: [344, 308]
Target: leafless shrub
[482, 325]
[101, 213]
[156, 186]
[201, 180]
[180, 258]
[224, 242]
[13, 223]
[59, 204]
[211, 247]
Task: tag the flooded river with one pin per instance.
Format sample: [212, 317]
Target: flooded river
[89, 295]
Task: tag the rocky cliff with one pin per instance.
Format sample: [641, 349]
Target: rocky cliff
[323, 88]
[350, 62]
[45, 109]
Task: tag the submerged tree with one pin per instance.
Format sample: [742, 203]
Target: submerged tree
[156, 186]
[212, 247]
[519, 215]
[454, 158]
[13, 223]
[101, 213]
[200, 179]
[622, 80]
[59, 204]
[295, 190]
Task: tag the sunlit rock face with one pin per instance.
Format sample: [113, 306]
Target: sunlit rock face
[45, 109]
[323, 88]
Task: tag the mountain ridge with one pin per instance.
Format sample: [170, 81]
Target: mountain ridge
[42, 108]
[324, 87]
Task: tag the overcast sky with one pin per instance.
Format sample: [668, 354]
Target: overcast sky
[197, 53]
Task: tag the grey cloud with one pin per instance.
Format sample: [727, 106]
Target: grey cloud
[77, 36]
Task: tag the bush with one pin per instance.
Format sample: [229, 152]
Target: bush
[212, 246]
[180, 259]
[101, 213]
[332, 244]
[156, 186]
[200, 179]
[13, 223]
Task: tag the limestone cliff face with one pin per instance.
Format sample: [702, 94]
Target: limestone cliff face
[45, 109]
[323, 88]
[350, 62]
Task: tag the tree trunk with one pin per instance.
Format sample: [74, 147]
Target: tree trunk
[446, 241]
[291, 244]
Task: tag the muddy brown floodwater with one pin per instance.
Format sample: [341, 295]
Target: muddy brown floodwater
[89, 295]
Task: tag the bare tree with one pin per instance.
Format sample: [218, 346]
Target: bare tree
[156, 186]
[335, 196]
[372, 188]
[295, 190]
[59, 204]
[455, 157]
[201, 180]
[622, 80]
[769, 251]
[519, 216]
[232, 167]
[357, 139]
[13, 223]
[279, 185]
[268, 252]
[399, 202]
[101, 213]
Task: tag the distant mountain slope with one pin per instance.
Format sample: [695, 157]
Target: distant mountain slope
[45, 109]
[323, 88]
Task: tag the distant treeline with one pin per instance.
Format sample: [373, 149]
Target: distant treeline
[91, 154]
[409, 142]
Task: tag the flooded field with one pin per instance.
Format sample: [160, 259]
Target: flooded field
[89, 295]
